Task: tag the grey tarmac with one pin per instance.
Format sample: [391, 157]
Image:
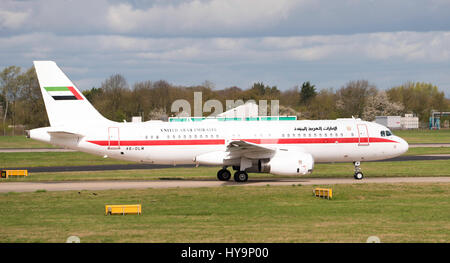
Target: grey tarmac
[6, 187]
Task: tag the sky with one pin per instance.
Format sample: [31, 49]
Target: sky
[282, 43]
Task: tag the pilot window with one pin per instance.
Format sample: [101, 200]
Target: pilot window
[388, 133]
[383, 134]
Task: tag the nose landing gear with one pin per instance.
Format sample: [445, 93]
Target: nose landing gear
[358, 175]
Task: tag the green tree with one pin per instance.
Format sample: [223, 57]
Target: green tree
[92, 93]
[307, 93]
[419, 98]
[323, 105]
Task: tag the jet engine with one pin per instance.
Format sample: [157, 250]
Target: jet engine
[287, 163]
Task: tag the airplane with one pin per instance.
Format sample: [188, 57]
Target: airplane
[290, 147]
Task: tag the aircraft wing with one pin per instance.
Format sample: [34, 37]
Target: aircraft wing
[238, 149]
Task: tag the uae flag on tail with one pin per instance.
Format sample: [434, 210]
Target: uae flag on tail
[63, 93]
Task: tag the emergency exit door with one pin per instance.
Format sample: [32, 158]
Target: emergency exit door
[363, 134]
[113, 138]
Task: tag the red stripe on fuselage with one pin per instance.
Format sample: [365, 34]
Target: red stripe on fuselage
[255, 141]
[160, 142]
[316, 140]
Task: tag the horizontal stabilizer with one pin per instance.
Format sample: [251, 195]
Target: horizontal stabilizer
[65, 134]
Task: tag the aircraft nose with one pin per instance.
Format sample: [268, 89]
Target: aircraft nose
[404, 146]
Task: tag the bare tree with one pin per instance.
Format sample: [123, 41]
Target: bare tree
[351, 98]
[9, 90]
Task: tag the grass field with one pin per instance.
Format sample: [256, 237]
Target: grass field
[338, 170]
[424, 136]
[394, 213]
[22, 142]
[34, 159]
[428, 150]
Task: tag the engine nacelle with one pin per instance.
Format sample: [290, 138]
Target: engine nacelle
[288, 163]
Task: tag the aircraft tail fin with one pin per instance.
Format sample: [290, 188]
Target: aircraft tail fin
[65, 104]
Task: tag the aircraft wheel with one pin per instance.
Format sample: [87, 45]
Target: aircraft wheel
[358, 175]
[223, 175]
[240, 176]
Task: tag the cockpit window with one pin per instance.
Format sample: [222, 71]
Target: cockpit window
[388, 133]
[383, 134]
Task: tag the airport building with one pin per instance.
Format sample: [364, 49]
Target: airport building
[409, 121]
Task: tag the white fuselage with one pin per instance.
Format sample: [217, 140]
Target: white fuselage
[342, 140]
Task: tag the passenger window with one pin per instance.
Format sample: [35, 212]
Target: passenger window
[382, 134]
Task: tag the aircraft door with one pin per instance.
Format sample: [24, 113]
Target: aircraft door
[113, 138]
[363, 134]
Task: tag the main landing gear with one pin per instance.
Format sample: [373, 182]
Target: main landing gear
[358, 175]
[225, 175]
[240, 176]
